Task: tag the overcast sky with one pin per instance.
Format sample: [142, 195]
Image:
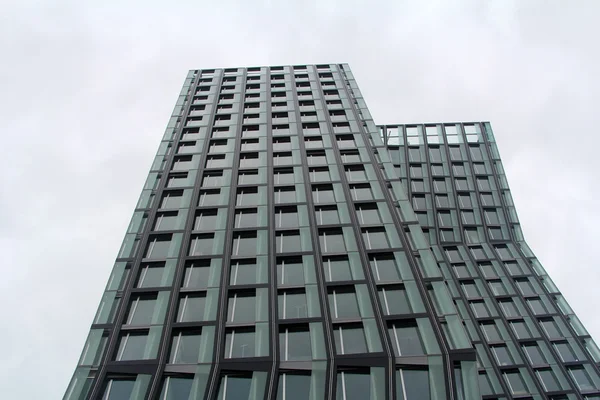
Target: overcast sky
[86, 92]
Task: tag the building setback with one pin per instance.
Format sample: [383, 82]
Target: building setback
[286, 247]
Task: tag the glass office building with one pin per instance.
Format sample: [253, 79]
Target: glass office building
[285, 247]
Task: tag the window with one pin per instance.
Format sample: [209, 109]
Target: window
[384, 267]
[337, 269]
[343, 303]
[206, 220]
[319, 174]
[323, 194]
[244, 243]
[550, 328]
[141, 310]
[185, 347]
[288, 242]
[313, 142]
[412, 384]
[394, 300]
[283, 176]
[216, 161]
[239, 343]
[490, 331]
[246, 218]
[235, 386]
[565, 351]
[468, 217]
[177, 179]
[461, 184]
[332, 241]
[502, 355]
[248, 177]
[520, 329]
[247, 196]
[201, 244]
[292, 304]
[282, 158]
[132, 346]
[316, 157]
[479, 309]
[405, 339]
[368, 213]
[176, 388]
[171, 199]
[241, 307]
[118, 389]
[361, 192]
[290, 271]
[285, 194]
[487, 199]
[249, 160]
[243, 272]
[464, 199]
[548, 379]
[190, 308]
[537, 306]
[354, 385]
[282, 143]
[534, 354]
[508, 308]
[350, 339]
[294, 344]
[196, 275]
[455, 153]
[581, 378]
[212, 179]
[294, 386]
[515, 381]
[166, 221]
[211, 197]
[158, 246]
[150, 275]
[345, 141]
[483, 183]
[327, 215]
[375, 238]
[249, 144]
[470, 289]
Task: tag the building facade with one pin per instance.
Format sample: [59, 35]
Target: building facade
[286, 247]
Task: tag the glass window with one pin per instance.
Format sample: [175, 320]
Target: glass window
[285, 194]
[292, 304]
[132, 346]
[490, 331]
[461, 270]
[337, 269]
[294, 344]
[196, 275]
[480, 309]
[201, 244]
[394, 300]
[412, 384]
[294, 386]
[439, 185]
[464, 199]
[288, 242]
[244, 243]
[246, 218]
[355, 173]
[175, 388]
[550, 328]
[239, 343]
[286, 217]
[581, 378]
[327, 215]
[158, 246]
[548, 379]
[235, 386]
[353, 385]
[350, 156]
[141, 310]
[520, 329]
[151, 275]
[241, 307]
[384, 267]
[332, 241]
[375, 238]
[349, 339]
[171, 199]
[508, 308]
[248, 177]
[405, 339]
[212, 179]
[537, 307]
[343, 303]
[515, 381]
[502, 355]
[118, 389]
[419, 202]
[565, 351]
[166, 221]
[290, 271]
[206, 220]
[361, 192]
[461, 184]
[417, 185]
[185, 347]
[368, 213]
[534, 354]
[282, 158]
[243, 272]
[191, 308]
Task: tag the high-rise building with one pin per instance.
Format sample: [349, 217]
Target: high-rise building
[285, 247]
